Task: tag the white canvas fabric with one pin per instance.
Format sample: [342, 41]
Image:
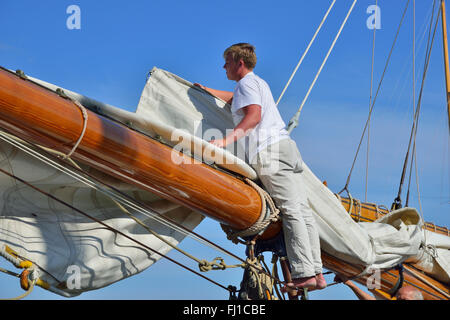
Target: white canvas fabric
[56, 237]
[61, 241]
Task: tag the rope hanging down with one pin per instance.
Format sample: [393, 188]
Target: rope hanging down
[306, 51]
[294, 121]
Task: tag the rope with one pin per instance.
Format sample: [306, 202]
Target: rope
[113, 193]
[294, 121]
[63, 95]
[29, 276]
[111, 228]
[306, 51]
[77, 173]
[204, 265]
[399, 283]
[83, 131]
[268, 215]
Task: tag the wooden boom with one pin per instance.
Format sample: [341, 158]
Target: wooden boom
[38, 115]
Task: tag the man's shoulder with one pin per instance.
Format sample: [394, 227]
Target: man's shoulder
[251, 80]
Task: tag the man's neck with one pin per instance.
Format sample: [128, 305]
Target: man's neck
[243, 73]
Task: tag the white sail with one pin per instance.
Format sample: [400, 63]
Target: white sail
[56, 237]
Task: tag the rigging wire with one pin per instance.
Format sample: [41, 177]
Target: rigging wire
[397, 201]
[294, 120]
[403, 75]
[370, 102]
[306, 51]
[415, 155]
[414, 158]
[110, 228]
[118, 197]
[112, 192]
[375, 98]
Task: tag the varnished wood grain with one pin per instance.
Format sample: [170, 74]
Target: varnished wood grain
[32, 111]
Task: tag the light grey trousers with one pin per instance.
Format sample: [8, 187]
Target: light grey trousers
[279, 168]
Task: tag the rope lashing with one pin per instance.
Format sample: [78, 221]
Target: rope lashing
[269, 213]
[83, 110]
[29, 276]
[219, 264]
[133, 204]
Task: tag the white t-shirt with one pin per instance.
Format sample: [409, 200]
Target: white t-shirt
[251, 89]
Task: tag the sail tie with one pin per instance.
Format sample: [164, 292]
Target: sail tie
[61, 93]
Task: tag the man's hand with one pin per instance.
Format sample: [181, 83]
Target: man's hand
[200, 85]
[226, 96]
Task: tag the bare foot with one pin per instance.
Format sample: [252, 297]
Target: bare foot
[304, 283]
[321, 282]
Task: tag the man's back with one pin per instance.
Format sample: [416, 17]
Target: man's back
[251, 89]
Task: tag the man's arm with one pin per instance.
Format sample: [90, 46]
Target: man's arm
[251, 119]
[362, 295]
[227, 96]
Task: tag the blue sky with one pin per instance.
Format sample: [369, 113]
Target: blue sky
[119, 42]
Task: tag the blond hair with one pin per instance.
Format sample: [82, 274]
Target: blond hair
[244, 51]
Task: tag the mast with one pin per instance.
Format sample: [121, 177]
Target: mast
[446, 62]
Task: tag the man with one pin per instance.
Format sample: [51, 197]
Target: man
[276, 160]
[404, 293]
